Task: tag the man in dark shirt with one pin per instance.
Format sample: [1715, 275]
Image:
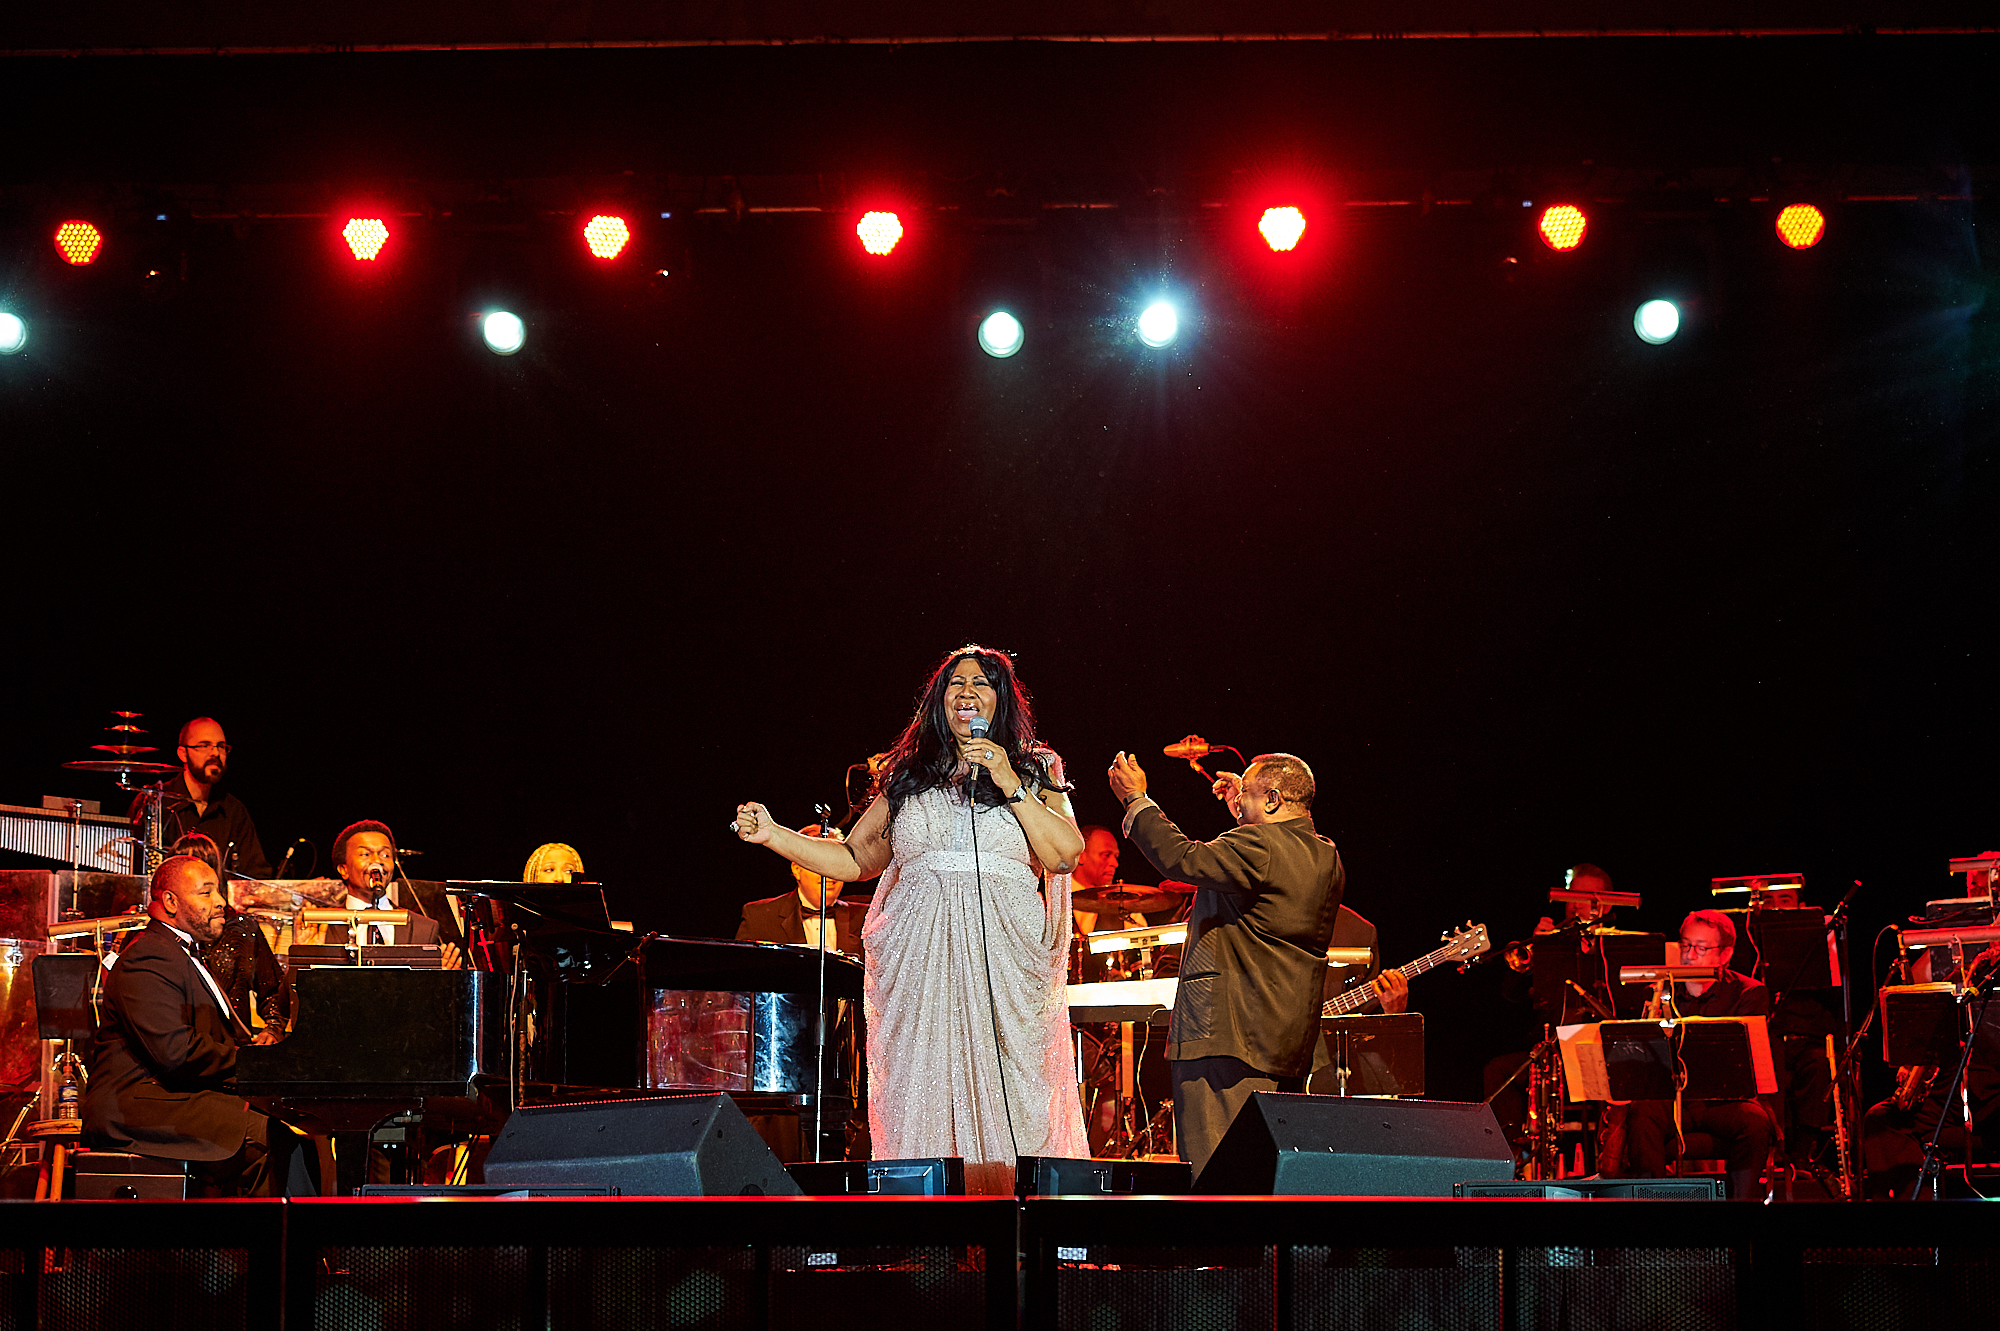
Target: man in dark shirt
[1247, 1006]
[1742, 1128]
[195, 801]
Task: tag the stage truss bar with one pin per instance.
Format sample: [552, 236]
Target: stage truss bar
[1023, 39]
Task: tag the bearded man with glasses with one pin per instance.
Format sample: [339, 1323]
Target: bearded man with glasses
[196, 802]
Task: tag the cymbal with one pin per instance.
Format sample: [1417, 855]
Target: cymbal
[123, 766]
[1129, 898]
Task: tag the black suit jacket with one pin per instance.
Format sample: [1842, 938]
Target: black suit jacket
[161, 1057]
[783, 920]
[1255, 957]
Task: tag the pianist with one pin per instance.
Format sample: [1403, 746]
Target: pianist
[795, 917]
[163, 1059]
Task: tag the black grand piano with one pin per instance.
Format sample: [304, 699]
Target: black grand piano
[598, 1013]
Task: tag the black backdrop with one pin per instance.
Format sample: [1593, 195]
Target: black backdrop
[1524, 590]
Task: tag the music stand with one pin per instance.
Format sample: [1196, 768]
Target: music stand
[1727, 1058]
[1920, 1025]
[1592, 961]
[1792, 949]
[1378, 1054]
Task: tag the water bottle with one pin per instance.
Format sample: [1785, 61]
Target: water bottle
[69, 1095]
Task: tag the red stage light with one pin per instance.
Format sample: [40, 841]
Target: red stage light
[879, 232]
[606, 235]
[365, 236]
[78, 242]
[1801, 226]
[1282, 227]
[1562, 226]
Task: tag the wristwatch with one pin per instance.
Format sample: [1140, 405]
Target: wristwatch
[1020, 793]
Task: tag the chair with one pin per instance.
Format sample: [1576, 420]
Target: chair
[65, 990]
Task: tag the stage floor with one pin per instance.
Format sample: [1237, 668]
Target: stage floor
[1088, 1263]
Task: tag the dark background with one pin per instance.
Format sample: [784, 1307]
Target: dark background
[1524, 590]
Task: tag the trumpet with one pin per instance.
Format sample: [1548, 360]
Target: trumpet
[1520, 955]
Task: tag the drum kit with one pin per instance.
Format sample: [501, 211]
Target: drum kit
[1121, 982]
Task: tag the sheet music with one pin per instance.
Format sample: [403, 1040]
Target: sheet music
[1584, 1077]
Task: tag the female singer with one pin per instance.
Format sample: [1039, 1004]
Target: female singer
[968, 1033]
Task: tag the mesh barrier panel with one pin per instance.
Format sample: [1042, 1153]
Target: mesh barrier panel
[834, 1288]
[1624, 1289]
[159, 1289]
[1899, 1289]
[422, 1289]
[1386, 1289]
[599, 1289]
[1164, 1289]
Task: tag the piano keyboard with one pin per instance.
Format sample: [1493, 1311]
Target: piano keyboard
[46, 833]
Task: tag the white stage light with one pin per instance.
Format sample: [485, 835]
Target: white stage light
[1657, 321]
[1001, 334]
[504, 332]
[1159, 325]
[13, 334]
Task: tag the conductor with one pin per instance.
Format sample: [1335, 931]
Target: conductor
[1246, 1010]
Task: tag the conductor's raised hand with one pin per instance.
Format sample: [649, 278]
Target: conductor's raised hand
[1128, 779]
[1228, 788]
[993, 757]
[753, 823]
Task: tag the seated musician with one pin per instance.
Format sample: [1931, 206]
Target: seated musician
[553, 863]
[1895, 1132]
[241, 960]
[164, 1057]
[1098, 867]
[795, 917]
[364, 855]
[1743, 1129]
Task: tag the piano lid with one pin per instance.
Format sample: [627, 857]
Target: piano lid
[766, 968]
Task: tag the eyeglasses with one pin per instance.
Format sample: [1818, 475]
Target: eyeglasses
[206, 745]
[1699, 948]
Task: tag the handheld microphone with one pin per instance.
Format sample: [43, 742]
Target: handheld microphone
[979, 726]
[1194, 746]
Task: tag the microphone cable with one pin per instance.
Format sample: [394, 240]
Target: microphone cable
[986, 960]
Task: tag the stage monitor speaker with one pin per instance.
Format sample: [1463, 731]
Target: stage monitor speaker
[1705, 1188]
[661, 1146]
[1060, 1176]
[1327, 1145]
[935, 1176]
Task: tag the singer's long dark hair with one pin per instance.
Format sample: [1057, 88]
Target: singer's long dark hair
[926, 755]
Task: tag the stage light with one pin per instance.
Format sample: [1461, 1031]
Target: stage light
[1801, 226]
[1562, 226]
[1657, 321]
[13, 333]
[365, 236]
[879, 232]
[1158, 324]
[606, 235]
[1001, 334]
[504, 332]
[1282, 227]
[79, 243]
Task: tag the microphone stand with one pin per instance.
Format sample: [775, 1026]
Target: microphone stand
[819, 1025]
[1927, 1172]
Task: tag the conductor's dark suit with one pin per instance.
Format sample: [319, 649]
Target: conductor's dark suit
[783, 920]
[161, 1059]
[1247, 1006]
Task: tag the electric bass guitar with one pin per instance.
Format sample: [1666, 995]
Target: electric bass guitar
[1461, 947]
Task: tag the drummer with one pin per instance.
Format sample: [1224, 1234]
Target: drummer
[1098, 867]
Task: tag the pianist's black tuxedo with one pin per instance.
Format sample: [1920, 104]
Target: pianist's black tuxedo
[162, 1059]
[783, 920]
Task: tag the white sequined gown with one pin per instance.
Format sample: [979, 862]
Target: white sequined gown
[934, 1071]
